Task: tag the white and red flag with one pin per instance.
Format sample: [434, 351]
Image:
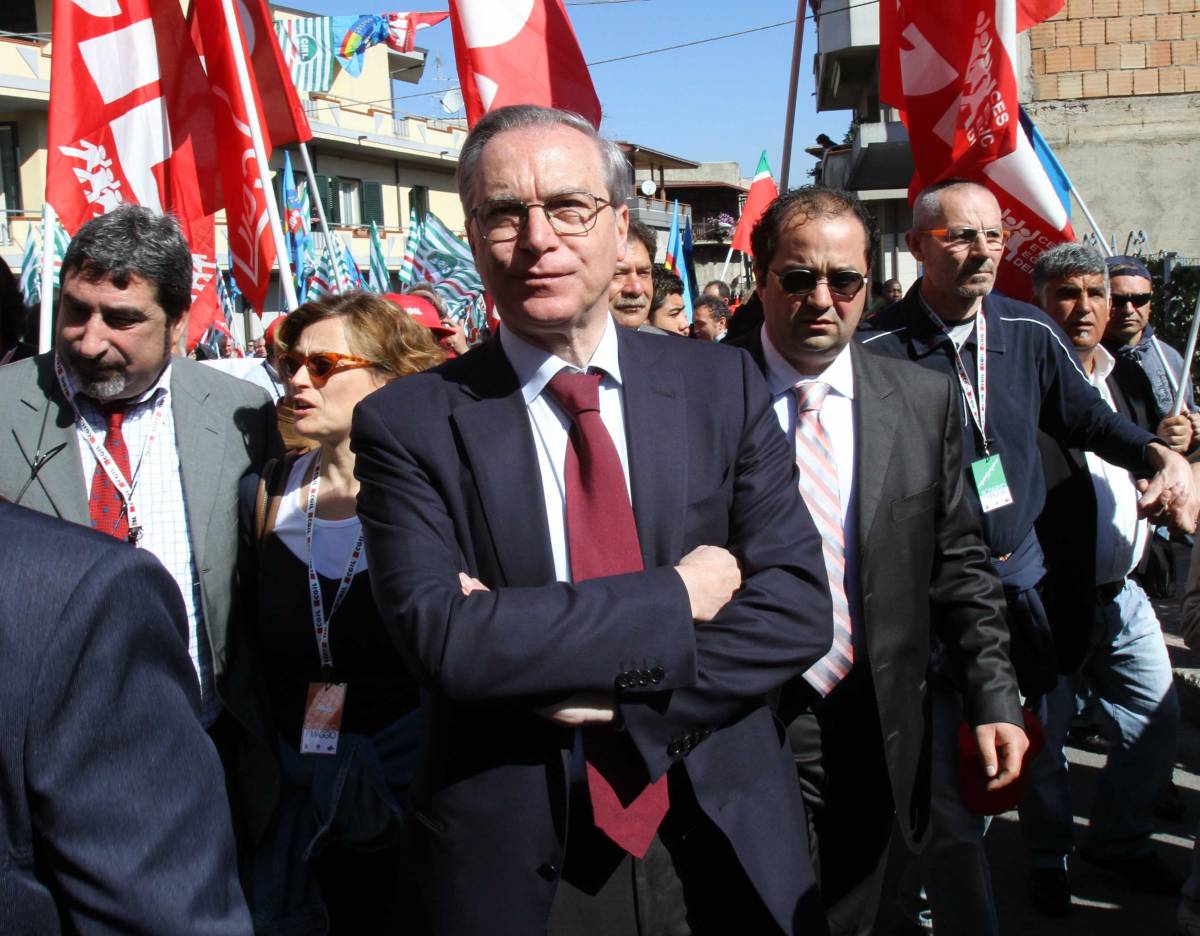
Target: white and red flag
[758, 200]
[130, 122]
[520, 52]
[950, 69]
[281, 117]
[402, 28]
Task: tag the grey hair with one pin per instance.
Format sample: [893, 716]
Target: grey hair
[720, 309]
[928, 203]
[134, 241]
[518, 116]
[1063, 260]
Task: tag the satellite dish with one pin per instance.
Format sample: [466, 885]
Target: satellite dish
[648, 188]
[452, 101]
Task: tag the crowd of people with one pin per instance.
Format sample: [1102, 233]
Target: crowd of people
[585, 630]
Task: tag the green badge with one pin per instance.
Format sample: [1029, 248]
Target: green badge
[991, 483]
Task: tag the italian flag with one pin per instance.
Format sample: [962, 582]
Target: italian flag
[762, 193]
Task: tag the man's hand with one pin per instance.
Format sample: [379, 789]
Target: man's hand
[1176, 431]
[585, 708]
[1001, 747]
[1170, 496]
[711, 576]
[468, 584]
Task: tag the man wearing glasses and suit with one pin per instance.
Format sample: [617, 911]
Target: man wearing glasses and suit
[110, 430]
[638, 573]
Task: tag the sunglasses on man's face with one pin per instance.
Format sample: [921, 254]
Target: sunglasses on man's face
[845, 284]
[320, 366]
[1137, 300]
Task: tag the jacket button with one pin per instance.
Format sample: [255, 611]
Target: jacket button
[548, 871]
[657, 674]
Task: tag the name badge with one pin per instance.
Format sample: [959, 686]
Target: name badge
[991, 483]
[323, 718]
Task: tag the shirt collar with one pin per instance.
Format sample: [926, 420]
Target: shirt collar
[1103, 364]
[535, 367]
[928, 336]
[781, 376]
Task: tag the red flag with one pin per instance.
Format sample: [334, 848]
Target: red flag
[402, 28]
[762, 193]
[949, 69]
[519, 53]
[1032, 12]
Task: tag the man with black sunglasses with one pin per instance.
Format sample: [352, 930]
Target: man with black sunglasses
[1016, 373]
[877, 442]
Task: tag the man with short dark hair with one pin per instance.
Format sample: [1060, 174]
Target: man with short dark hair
[718, 289]
[667, 311]
[633, 281]
[600, 757]
[111, 431]
[1105, 630]
[710, 317]
[878, 445]
[1015, 374]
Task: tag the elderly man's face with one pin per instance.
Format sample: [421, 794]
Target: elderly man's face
[632, 286]
[543, 282]
[114, 341]
[1128, 319]
[1080, 305]
[965, 271]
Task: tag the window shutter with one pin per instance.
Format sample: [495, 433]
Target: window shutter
[419, 198]
[327, 189]
[370, 195]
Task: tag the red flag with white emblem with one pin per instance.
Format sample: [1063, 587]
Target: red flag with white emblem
[520, 52]
[949, 69]
[402, 28]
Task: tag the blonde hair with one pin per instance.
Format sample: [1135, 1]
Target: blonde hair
[376, 330]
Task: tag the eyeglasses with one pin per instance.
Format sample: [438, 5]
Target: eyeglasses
[1137, 300]
[320, 366]
[960, 237]
[845, 284]
[571, 214]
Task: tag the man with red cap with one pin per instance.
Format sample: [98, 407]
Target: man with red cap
[426, 313]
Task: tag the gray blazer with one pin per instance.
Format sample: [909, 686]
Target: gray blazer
[224, 428]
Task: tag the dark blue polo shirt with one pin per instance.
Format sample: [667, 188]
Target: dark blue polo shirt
[1034, 381]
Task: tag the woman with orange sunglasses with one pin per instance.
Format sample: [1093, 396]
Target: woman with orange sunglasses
[337, 712]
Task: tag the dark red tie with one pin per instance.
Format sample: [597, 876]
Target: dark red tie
[104, 503]
[602, 540]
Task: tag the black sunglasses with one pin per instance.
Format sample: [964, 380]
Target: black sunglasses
[845, 284]
[1137, 299]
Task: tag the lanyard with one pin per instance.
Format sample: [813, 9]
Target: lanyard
[104, 459]
[978, 409]
[320, 619]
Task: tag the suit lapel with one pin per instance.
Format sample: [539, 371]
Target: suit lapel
[200, 439]
[43, 422]
[875, 435]
[656, 436]
[496, 436]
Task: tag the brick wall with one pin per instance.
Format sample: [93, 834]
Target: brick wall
[1117, 48]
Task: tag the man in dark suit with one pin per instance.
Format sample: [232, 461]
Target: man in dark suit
[1106, 633]
[600, 756]
[114, 819]
[902, 544]
[112, 431]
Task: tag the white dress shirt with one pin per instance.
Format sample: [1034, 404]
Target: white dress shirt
[837, 419]
[158, 493]
[1120, 533]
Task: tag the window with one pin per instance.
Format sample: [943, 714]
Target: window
[371, 202]
[19, 16]
[342, 199]
[347, 196]
[10, 163]
[418, 198]
[327, 188]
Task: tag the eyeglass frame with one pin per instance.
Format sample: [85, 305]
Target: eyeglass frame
[942, 236]
[339, 365]
[819, 280]
[601, 204]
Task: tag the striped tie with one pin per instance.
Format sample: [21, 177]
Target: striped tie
[819, 486]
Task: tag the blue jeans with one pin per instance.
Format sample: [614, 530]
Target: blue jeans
[1129, 673]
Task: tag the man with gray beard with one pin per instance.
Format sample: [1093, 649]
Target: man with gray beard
[112, 431]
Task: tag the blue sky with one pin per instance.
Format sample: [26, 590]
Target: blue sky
[720, 101]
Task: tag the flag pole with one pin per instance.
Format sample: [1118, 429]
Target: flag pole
[46, 307]
[1108, 251]
[1188, 353]
[790, 123]
[315, 194]
[725, 268]
[260, 154]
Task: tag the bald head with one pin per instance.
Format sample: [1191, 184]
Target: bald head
[928, 209]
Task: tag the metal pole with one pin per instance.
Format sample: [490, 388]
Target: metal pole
[725, 268]
[1108, 251]
[46, 310]
[315, 194]
[1189, 351]
[260, 154]
[790, 123]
